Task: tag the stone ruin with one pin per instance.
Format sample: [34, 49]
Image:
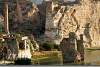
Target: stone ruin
[72, 46]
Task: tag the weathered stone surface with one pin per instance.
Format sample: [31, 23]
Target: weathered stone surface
[25, 16]
[82, 18]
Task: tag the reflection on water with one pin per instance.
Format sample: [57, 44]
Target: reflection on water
[92, 57]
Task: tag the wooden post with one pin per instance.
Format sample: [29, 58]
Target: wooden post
[6, 24]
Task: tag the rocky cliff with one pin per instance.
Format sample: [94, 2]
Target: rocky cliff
[25, 17]
[78, 16]
[82, 17]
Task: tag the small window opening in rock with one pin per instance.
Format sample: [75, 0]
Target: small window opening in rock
[21, 46]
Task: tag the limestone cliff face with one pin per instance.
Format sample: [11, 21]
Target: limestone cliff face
[81, 18]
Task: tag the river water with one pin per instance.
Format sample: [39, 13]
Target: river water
[92, 57]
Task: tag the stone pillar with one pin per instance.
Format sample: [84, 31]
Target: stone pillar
[25, 43]
[6, 24]
[49, 26]
[73, 40]
[64, 45]
[51, 31]
[80, 46]
[48, 15]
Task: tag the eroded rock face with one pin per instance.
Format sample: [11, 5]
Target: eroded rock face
[83, 18]
[26, 17]
[27, 9]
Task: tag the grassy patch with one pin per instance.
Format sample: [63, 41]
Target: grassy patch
[47, 59]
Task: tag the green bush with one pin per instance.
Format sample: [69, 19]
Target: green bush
[49, 46]
[56, 46]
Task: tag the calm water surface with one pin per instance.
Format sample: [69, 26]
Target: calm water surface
[92, 57]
